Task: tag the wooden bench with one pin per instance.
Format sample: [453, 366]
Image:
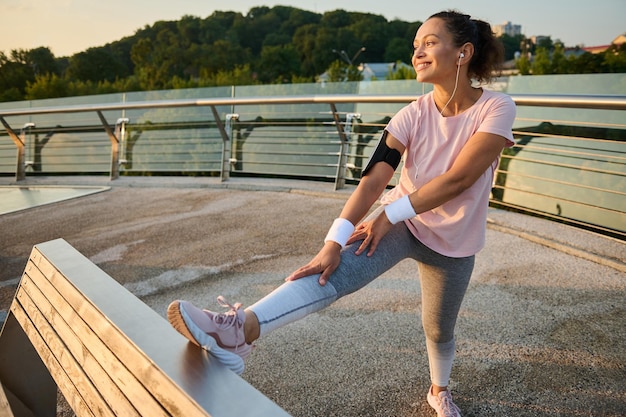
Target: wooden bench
[74, 327]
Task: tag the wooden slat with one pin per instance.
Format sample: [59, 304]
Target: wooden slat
[169, 394]
[88, 350]
[44, 348]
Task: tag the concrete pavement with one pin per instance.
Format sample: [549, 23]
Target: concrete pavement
[541, 331]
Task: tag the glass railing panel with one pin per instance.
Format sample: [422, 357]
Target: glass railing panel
[569, 163]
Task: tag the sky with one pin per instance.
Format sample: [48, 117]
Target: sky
[71, 26]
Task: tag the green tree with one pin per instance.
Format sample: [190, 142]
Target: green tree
[304, 40]
[400, 29]
[296, 19]
[95, 64]
[511, 45]
[190, 28]
[218, 26]
[42, 61]
[560, 64]
[542, 63]
[398, 49]
[278, 64]
[15, 74]
[146, 70]
[353, 73]
[370, 31]
[402, 73]
[335, 19]
[326, 40]
[223, 55]
[240, 75]
[339, 71]
[160, 58]
[614, 58]
[523, 64]
[47, 86]
[587, 63]
[258, 23]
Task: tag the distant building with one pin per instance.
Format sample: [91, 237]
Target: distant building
[507, 28]
[598, 49]
[538, 39]
[621, 39]
[380, 70]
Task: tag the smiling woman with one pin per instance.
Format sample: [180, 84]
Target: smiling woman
[451, 139]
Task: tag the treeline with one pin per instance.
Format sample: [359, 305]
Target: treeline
[552, 59]
[268, 45]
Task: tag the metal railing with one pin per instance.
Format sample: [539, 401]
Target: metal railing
[562, 167]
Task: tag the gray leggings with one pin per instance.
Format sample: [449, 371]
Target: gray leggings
[443, 280]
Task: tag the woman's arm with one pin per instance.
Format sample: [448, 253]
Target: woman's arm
[475, 158]
[367, 192]
[478, 154]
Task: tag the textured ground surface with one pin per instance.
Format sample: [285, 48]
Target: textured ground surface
[541, 331]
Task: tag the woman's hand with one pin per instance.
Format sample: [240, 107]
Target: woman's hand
[328, 258]
[371, 232]
[324, 263]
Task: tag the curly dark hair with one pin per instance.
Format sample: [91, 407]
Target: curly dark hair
[488, 50]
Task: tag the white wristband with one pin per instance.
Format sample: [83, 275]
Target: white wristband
[400, 210]
[340, 231]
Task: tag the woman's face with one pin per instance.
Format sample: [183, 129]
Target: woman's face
[434, 55]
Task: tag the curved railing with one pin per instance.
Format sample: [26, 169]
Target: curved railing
[569, 162]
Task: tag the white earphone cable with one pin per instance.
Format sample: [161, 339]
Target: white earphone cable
[456, 84]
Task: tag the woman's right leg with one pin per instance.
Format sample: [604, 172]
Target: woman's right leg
[229, 335]
[296, 299]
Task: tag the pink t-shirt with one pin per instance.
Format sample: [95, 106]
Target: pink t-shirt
[457, 227]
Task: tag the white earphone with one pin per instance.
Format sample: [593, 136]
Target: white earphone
[456, 82]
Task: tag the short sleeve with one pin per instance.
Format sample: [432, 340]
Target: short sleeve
[500, 117]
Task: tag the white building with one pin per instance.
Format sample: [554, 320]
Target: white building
[380, 70]
[507, 28]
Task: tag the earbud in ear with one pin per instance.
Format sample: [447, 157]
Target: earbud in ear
[462, 55]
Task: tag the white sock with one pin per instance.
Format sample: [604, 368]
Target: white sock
[292, 301]
[440, 358]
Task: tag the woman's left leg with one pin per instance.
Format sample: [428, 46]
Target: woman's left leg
[444, 281]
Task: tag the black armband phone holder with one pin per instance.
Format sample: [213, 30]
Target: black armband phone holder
[383, 153]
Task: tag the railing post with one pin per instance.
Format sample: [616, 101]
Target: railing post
[120, 133]
[115, 146]
[22, 163]
[30, 163]
[340, 180]
[20, 143]
[344, 137]
[227, 149]
[226, 133]
[351, 120]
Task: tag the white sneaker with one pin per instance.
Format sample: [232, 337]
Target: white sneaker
[443, 404]
[221, 334]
